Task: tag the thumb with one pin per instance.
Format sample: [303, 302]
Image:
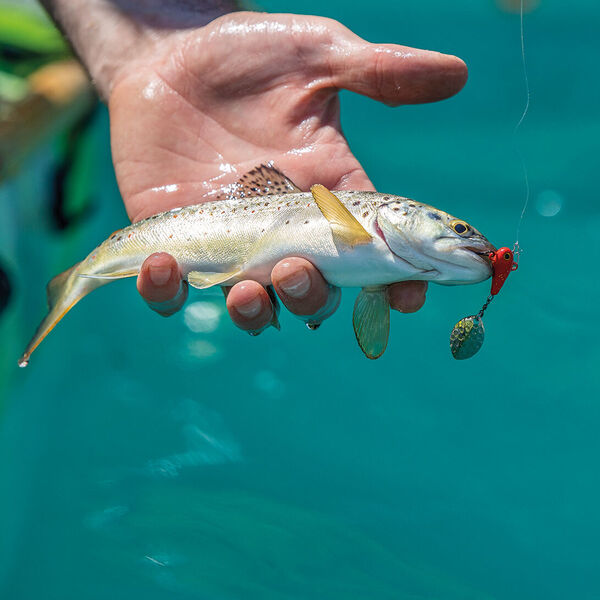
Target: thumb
[394, 74]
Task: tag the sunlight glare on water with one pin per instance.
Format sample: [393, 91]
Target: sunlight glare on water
[549, 203]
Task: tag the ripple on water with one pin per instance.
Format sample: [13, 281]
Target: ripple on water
[268, 383]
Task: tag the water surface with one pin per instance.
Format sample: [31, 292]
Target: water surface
[182, 459]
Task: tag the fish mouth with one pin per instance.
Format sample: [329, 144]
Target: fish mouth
[483, 254]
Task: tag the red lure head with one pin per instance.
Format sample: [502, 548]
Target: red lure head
[502, 264]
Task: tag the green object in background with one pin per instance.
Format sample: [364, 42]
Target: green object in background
[75, 170]
[12, 87]
[27, 41]
[29, 30]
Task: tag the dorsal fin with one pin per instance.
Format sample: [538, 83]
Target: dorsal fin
[263, 180]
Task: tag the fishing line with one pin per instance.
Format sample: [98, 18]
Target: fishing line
[517, 248]
[468, 334]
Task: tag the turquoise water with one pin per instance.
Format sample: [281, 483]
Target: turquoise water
[181, 459]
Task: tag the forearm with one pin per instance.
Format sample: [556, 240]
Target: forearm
[109, 35]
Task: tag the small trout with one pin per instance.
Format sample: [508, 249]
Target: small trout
[355, 239]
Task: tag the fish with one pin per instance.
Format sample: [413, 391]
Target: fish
[355, 239]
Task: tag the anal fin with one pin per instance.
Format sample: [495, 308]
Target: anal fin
[202, 281]
[371, 320]
[344, 226]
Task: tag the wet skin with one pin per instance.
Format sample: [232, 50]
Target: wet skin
[202, 106]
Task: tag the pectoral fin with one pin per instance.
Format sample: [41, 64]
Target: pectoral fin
[202, 281]
[371, 320]
[345, 227]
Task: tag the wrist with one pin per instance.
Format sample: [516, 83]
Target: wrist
[112, 36]
[161, 15]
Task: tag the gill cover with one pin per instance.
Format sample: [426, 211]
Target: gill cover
[392, 221]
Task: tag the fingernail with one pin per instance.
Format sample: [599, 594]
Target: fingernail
[297, 284]
[250, 309]
[159, 274]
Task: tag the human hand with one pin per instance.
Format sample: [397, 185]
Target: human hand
[197, 108]
[246, 89]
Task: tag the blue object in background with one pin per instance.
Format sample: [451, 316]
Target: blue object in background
[182, 459]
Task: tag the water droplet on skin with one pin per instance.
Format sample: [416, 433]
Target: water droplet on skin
[548, 203]
[152, 90]
[167, 189]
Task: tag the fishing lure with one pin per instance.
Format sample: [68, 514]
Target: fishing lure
[467, 335]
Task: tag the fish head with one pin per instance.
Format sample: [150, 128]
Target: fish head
[448, 250]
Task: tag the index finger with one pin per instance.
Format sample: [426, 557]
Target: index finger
[160, 284]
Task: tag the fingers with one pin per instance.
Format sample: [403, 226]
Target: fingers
[304, 291]
[395, 74]
[300, 286]
[306, 294]
[297, 281]
[407, 296]
[160, 284]
[249, 306]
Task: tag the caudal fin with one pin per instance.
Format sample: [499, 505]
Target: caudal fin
[64, 291]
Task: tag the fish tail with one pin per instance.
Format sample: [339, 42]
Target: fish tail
[64, 291]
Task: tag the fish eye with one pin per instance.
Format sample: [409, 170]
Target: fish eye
[460, 227]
